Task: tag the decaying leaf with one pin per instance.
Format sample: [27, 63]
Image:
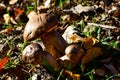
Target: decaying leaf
[45, 7]
[13, 1]
[79, 9]
[18, 73]
[69, 33]
[111, 68]
[2, 7]
[18, 11]
[106, 60]
[89, 42]
[47, 3]
[117, 13]
[7, 31]
[71, 74]
[6, 18]
[3, 62]
[91, 54]
[99, 72]
[75, 38]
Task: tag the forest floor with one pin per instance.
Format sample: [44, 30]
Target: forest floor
[96, 21]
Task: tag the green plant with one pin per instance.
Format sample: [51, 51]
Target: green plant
[61, 3]
[30, 8]
[110, 77]
[35, 5]
[60, 74]
[114, 44]
[90, 74]
[23, 45]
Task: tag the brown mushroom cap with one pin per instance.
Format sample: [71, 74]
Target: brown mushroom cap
[73, 54]
[39, 24]
[73, 51]
[32, 53]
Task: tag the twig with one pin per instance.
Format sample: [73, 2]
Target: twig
[103, 26]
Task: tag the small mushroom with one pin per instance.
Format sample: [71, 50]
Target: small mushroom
[73, 55]
[34, 54]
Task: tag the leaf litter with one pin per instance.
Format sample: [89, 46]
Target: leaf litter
[100, 42]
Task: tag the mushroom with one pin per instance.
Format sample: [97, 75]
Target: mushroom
[34, 54]
[73, 55]
[31, 54]
[43, 25]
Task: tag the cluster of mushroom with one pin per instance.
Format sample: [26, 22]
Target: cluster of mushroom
[57, 52]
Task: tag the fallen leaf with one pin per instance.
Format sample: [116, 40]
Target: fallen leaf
[89, 42]
[111, 68]
[79, 9]
[2, 6]
[3, 62]
[70, 30]
[18, 72]
[117, 13]
[71, 74]
[91, 54]
[8, 30]
[47, 3]
[18, 12]
[99, 72]
[6, 18]
[75, 38]
[106, 60]
[13, 1]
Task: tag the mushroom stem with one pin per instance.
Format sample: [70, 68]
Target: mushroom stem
[49, 60]
[54, 43]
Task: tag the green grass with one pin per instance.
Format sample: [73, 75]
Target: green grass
[62, 2]
[60, 74]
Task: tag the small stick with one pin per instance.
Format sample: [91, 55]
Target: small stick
[103, 26]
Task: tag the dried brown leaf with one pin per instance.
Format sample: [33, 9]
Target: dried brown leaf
[89, 42]
[111, 68]
[13, 1]
[79, 9]
[91, 54]
[71, 74]
[117, 13]
[99, 72]
[7, 31]
[75, 38]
